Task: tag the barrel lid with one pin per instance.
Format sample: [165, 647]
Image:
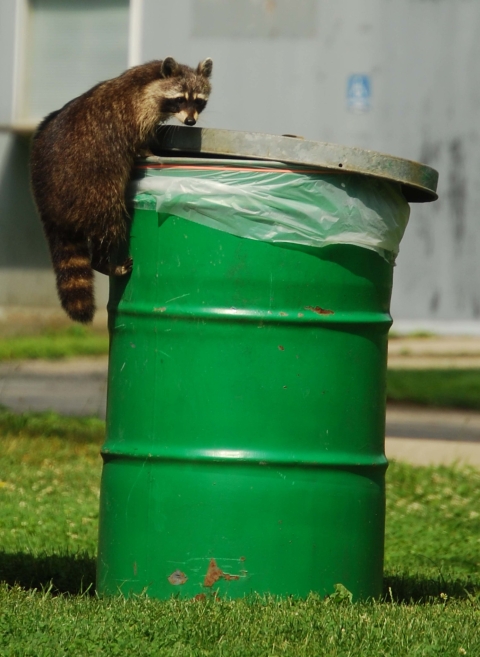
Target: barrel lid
[418, 181]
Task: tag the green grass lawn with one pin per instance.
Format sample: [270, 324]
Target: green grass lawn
[447, 388]
[75, 340]
[49, 486]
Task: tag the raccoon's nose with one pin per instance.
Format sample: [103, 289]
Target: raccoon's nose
[189, 121]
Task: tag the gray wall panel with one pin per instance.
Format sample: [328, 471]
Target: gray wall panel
[7, 49]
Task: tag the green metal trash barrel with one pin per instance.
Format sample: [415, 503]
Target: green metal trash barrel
[246, 387]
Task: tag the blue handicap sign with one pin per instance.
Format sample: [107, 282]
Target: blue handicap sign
[359, 92]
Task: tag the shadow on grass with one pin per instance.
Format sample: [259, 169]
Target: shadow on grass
[69, 573]
[74, 574]
[416, 588]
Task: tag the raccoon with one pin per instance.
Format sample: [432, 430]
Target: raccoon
[81, 161]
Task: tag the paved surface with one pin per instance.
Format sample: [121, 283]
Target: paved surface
[78, 387]
[72, 387]
[432, 452]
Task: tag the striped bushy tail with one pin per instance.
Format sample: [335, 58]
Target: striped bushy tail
[72, 265]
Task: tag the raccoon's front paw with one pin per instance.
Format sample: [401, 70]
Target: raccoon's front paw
[124, 268]
[143, 153]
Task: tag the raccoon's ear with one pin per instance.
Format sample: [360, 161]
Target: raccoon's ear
[205, 68]
[169, 67]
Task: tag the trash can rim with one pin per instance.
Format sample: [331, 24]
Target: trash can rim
[418, 181]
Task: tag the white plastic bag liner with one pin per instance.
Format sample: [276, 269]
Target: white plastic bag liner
[275, 202]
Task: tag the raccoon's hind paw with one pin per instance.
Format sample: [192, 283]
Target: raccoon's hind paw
[124, 268]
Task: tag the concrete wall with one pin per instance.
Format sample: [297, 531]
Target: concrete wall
[26, 277]
[24, 262]
[288, 66]
[39, 73]
[430, 111]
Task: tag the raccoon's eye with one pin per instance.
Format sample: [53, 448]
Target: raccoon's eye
[173, 105]
[200, 104]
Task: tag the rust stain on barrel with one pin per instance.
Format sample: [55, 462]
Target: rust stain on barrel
[177, 578]
[319, 311]
[214, 573]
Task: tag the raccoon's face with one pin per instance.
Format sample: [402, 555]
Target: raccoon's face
[185, 106]
[185, 90]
